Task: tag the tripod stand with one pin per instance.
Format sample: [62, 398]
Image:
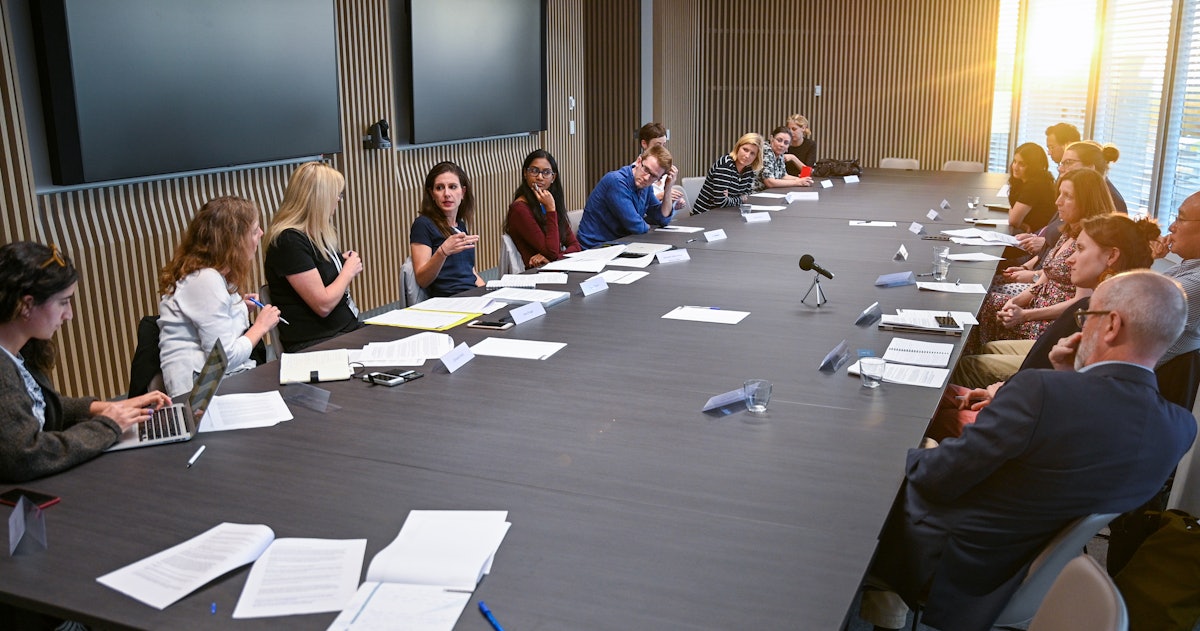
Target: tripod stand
[816, 284]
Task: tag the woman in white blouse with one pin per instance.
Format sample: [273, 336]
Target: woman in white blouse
[201, 305]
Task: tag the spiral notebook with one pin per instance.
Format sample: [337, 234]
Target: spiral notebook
[918, 353]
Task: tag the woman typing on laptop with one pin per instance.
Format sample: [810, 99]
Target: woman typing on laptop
[41, 432]
[200, 304]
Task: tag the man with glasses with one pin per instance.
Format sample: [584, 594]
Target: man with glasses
[1053, 446]
[623, 202]
[1058, 137]
[1184, 240]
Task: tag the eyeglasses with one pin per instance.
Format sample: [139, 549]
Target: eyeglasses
[341, 196]
[55, 257]
[546, 173]
[656, 176]
[1081, 316]
[1067, 163]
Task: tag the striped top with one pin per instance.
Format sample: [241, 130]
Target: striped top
[725, 186]
[1188, 275]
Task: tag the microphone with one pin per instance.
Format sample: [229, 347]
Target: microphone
[807, 263]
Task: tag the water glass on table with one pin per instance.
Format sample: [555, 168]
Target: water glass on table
[941, 262]
[758, 394]
[870, 370]
[977, 211]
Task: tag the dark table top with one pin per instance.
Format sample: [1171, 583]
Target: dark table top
[631, 509]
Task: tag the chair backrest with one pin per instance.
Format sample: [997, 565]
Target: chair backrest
[1179, 378]
[510, 257]
[573, 218]
[146, 365]
[410, 292]
[1083, 598]
[270, 340]
[900, 163]
[691, 188]
[1065, 546]
[962, 165]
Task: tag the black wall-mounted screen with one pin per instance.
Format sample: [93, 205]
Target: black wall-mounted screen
[478, 68]
[138, 88]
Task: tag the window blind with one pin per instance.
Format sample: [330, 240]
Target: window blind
[1181, 150]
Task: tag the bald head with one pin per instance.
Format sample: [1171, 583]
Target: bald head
[1142, 313]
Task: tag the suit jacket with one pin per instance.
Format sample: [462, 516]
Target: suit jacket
[1053, 446]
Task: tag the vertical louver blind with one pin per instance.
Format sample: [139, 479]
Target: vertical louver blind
[1056, 49]
[1133, 63]
[1006, 56]
[1182, 146]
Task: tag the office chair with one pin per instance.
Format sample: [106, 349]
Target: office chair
[908, 164]
[573, 218]
[1066, 545]
[963, 166]
[1082, 598]
[510, 257]
[274, 350]
[145, 369]
[691, 188]
[1179, 378]
[410, 292]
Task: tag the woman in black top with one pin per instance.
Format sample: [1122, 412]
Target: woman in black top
[1030, 190]
[803, 146]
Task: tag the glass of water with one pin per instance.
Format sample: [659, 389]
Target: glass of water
[973, 206]
[870, 370]
[758, 394]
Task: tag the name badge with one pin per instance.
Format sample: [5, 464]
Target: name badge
[826, 183]
[674, 256]
[457, 357]
[932, 215]
[945, 205]
[756, 217]
[851, 179]
[901, 254]
[916, 228]
[593, 285]
[527, 312]
[714, 235]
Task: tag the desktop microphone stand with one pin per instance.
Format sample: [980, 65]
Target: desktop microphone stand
[816, 284]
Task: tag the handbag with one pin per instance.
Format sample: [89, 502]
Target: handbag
[1161, 581]
[836, 168]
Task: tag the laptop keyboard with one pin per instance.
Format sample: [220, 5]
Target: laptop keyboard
[165, 423]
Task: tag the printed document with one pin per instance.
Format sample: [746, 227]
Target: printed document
[413, 318]
[517, 349]
[910, 375]
[302, 576]
[706, 314]
[918, 353]
[243, 411]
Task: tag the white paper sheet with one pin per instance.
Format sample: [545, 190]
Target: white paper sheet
[760, 208]
[622, 277]
[598, 254]
[572, 265]
[544, 296]
[410, 351]
[512, 280]
[910, 375]
[551, 278]
[962, 317]
[974, 256]
[706, 314]
[639, 262]
[873, 224]
[918, 353]
[243, 411]
[770, 195]
[517, 349]
[163, 578]
[954, 288]
[390, 606]
[473, 304]
[683, 229]
[450, 549]
[302, 576]
[803, 196]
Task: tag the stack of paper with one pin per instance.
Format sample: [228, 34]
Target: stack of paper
[244, 411]
[412, 318]
[469, 304]
[975, 236]
[706, 314]
[918, 353]
[425, 577]
[544, 296]
[909, 375]
[517, 349]
[409, 351]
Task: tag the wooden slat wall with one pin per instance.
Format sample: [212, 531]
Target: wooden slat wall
[613, 88]
[121, 236]
[907, 80]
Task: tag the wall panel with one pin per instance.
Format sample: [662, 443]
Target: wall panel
[121, 236]
[613, 79]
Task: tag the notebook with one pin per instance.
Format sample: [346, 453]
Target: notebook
[639, 249]
[177, 422]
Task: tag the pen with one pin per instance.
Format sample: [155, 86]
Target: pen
[957, 281]
[195, 457]
[690, 240]
[927, 274]
[487, 613]
[262, 306]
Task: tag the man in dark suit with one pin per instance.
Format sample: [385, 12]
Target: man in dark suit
[1053, 446]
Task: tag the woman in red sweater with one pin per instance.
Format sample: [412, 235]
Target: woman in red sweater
[537, 216]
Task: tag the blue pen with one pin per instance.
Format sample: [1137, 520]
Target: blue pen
[487, 613]
[262, 306]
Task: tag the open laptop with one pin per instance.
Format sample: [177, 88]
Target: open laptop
[178, 422]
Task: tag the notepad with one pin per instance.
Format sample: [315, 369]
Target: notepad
[909, 375]
[425, 577]
[517, 349]
[918, 353]
[315, 366]
[545, 296]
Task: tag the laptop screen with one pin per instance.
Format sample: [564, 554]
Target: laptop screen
[210, 377]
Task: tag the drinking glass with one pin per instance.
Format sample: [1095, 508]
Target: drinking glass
[973, 206]
[941, 269]
[870, 370]
[758, 394]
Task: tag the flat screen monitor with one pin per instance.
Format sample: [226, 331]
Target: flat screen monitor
[478, 68]
[138, 88]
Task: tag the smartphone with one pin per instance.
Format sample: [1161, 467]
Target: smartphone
[495, 325]
[391, 379]
[41, 500]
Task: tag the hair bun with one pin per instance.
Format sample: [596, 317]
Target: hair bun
[1111, 153]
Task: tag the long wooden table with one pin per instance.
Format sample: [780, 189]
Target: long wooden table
[631, 509]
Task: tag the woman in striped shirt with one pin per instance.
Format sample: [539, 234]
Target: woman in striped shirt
[731, 178]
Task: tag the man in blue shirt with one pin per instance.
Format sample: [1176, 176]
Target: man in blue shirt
[623, 202]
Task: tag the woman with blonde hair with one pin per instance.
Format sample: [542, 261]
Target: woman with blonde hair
[308, 274]
[731, 178]
[200, 304]
[802, 145]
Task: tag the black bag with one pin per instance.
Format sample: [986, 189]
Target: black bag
[836, 168]
[1161, 582]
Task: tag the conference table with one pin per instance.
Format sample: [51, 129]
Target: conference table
[630, 507]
